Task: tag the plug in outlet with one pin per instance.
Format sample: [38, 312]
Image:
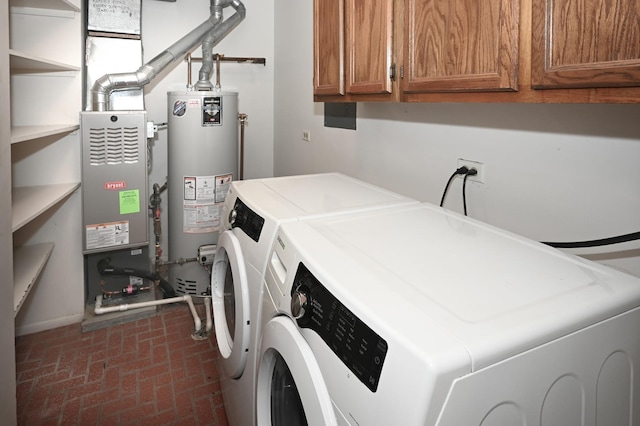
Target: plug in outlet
[306, 135]
[472, 165]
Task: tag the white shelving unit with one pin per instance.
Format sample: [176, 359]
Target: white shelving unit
[28, 262]
[30, 202]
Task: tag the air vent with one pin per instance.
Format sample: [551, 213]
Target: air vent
[113, 145]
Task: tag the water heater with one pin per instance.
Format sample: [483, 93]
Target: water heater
[202, 163]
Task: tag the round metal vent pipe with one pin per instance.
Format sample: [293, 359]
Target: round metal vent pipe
[209, 33]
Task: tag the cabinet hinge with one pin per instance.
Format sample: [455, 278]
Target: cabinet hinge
[401, 71]
[392, 72]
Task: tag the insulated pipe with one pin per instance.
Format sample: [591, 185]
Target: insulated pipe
[99, 309]
[105, 85]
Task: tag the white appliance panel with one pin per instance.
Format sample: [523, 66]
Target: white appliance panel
[463, 307]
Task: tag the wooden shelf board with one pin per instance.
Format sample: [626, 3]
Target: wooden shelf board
[23, 63]
[31, 201]
[28, 263]
[26, 133]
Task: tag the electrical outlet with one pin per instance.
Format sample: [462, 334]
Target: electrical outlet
[472, 165]
[306, 135]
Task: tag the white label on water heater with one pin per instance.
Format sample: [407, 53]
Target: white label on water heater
[201, 208]
[223, 184]
[107, 234]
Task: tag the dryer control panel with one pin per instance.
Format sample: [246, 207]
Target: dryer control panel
[360, 348]
[246, 219]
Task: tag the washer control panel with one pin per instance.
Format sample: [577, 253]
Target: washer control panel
[360, 348]
[246, 219]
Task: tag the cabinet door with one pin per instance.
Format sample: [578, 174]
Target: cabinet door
[328, 47]
[461, 45]
[369, 38]
[585, 43]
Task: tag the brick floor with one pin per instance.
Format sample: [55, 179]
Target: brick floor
[147, 372]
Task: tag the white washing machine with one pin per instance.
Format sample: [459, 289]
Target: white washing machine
[252, 212]
[420, 316]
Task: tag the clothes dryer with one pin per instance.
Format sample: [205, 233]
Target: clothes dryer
[252, 212]
[420, 316]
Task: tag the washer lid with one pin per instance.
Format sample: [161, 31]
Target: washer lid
[324, 193]
[498, 293]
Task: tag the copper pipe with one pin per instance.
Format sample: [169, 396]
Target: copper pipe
[243, 119]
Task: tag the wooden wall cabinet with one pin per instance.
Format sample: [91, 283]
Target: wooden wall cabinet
[354, 49]
[558, 51]
[592, 43]
[461, 45]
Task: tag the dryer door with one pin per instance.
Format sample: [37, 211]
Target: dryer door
[230, 295]
[290, 389]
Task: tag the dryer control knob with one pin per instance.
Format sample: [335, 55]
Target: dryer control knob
[232, 217]
[298, 304]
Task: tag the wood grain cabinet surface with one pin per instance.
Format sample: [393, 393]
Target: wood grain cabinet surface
[535, 51]
[461, 45]
[585, 43]
[354, 49]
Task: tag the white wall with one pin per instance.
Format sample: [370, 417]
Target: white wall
[552, 172]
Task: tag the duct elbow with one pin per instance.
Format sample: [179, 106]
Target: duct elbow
[239, 7]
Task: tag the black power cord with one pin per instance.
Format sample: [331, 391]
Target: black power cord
[594, 243]
[464, 170]
[460, 171]
[470, 172]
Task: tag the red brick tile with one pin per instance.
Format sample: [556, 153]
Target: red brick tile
[90, 415]
[144, 349]
[186, 421]
[52, 378]
[117, 405]
[184, 405]
[84, 390]
[129, 384]
[24, 376]
[95, 372]
[164, 397]
[110, 420]
[164, 418]
[153, 371]
[70, 413]
[188, 384]
[204, 411]
[111, 378]
[162, 379]
[53, 404]
[79, 366]
[145, 391]
[135, 413]
[63, 386]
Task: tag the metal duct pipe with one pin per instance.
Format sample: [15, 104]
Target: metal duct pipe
[106, 84]
[214, 37]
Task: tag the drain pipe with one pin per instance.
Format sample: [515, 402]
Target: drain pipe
[212, 28]
[99, 309]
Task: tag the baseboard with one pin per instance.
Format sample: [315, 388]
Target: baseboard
[48, 325]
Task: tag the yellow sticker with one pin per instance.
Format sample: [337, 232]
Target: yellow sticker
[130, 201]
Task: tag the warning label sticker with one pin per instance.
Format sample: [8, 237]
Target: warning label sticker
[203, 201]
[107, 235]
